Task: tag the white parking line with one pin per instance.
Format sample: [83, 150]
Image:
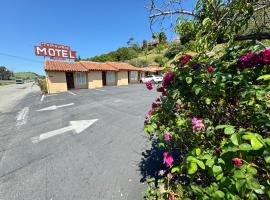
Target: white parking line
[22, 116]
[72, 93]
[42, 98]
[100, 90]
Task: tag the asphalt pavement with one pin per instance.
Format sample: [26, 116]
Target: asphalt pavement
[78, 145]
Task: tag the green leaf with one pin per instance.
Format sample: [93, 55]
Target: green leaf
[210, 162]
[238, 174]
[175, 169]
[191, 159]
[221, 161]
[221, 126]
[266, 155]
[264, 77]
[188, 80]
[251, 170]
[207, 22]
[208, 101]
[198, 151]
[256, 144]
[252, 196]
[201, 164]
[245, 147]
[253, 183]
[192, 167]
[267, 141]
[217, 169]
[218, 195]
[229, 130]
[241, 186]
[198, 90]
[234, 139]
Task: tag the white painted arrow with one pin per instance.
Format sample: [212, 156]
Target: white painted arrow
[54, 107]
[76, 126]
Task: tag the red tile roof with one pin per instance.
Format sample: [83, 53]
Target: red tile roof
[64, 66]
[84, 66]
[153, 68]
[123, 66]
[97, 66]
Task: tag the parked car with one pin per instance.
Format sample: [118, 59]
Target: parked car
[153, 78]
[19, 81]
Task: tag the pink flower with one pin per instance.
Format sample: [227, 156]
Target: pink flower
[249, 60]
[167, 159]
[158, 100]
[148, 115]
[167, 79]
[160, 88]
[197, 124]
[154, 105]
[185, 59]
[265, 56]
[171, 196]
[210, 69]
[167, 136]
[149, 85]
[237, 162]
[169, 175]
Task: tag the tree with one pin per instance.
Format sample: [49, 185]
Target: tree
[215, 21]
[5, 74]
[144, 45]
[162, 38]
[131, 42]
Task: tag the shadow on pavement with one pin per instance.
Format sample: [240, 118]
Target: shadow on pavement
[151, 162]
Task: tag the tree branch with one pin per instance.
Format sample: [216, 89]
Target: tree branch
[253, 36]
[162, 13]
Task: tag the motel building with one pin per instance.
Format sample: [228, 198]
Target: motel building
[153, 69]
[62, 76]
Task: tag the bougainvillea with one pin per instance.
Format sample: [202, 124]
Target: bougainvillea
[213, 128]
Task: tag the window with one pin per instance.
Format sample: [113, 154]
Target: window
[81, 78]
[134, 76]
[110, 77]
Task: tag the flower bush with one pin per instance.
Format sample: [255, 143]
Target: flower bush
[212, 122]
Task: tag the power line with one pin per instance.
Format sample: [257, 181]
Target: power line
[20, 58]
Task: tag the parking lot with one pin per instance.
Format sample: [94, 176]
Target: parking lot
[82, 144]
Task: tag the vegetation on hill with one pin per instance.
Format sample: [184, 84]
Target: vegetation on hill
[26, 75]
[144, 54]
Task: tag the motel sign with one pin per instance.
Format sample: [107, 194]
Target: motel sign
[54, 51]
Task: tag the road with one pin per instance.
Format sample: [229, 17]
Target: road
[11, 94]
[82, 145]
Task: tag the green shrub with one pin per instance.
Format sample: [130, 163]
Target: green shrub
[42, 84]
[212, 122]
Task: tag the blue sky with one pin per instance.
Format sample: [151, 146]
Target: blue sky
[90, 27]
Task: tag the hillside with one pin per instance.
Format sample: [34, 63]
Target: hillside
[26, 75]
